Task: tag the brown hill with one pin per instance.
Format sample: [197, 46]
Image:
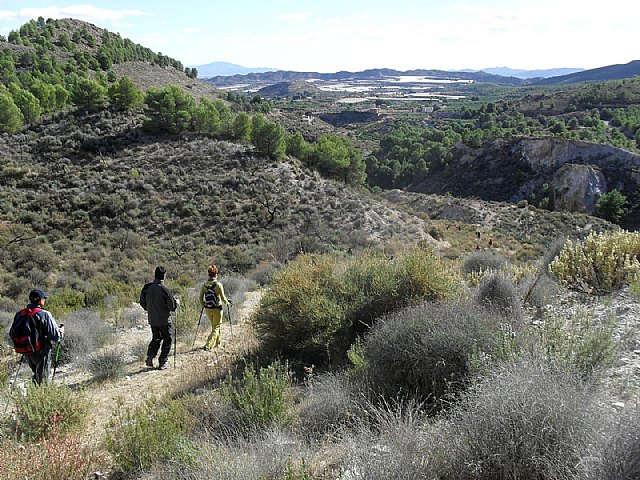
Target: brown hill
[298, 88]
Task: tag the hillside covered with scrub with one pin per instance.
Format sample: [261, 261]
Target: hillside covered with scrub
[377, 331]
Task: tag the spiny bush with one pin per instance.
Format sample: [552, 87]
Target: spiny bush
[107, 365]
[617, 456]
[527, 419]
[330, 404]
[318, 304]
[235, 287]
[601, 264]
[481, 261]
[499, 293]
[151, 433]
[580, 340]
[425, 351]
[49, 408]
[84, 332]
[273, 454]
[260, 394]
[55, 458]
[389, 443]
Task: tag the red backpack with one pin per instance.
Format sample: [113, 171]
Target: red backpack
[26, 331]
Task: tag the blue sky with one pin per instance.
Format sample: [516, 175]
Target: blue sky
[333, 35]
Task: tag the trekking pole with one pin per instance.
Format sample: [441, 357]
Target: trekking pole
[55, 361]
[175, 338]
[230, 320]
[197, 327]
[15, 379]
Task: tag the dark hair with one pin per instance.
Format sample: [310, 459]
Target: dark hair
[212, 270]
[159, 273]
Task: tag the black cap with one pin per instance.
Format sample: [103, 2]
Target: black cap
[37, 294]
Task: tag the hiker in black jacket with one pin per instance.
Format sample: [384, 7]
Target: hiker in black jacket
[159, 302]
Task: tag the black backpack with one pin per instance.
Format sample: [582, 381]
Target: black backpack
[211, 299]
[25, 331]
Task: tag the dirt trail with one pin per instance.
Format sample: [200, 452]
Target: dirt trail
[192, 367]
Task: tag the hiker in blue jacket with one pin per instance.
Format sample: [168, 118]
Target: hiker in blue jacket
[158, 300]
[40, 358]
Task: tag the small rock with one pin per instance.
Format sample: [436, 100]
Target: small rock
[622, 362]
[618, 406]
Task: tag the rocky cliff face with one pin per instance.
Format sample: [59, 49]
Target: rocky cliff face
[577, 172]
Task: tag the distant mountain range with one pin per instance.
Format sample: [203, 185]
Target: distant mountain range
[551, 72]
[508, 77]
[215, 69]
[611, 72]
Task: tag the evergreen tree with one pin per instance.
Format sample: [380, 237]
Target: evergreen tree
[269, 139]
[88, 95]
[169, 110]
[125, 95]
[10, 115]
[242, 127]
[297, 146]
[206, 118]
[26, 102]
[610, 206]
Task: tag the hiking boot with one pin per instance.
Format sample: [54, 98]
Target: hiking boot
[163, 366]
[149, 362]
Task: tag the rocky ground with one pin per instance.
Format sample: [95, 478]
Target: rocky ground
[621, 310]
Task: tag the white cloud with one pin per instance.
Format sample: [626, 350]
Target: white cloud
[83, 12]
[193, 30]
[294, 17]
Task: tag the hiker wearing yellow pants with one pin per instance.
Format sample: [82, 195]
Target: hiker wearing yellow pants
[212, 299]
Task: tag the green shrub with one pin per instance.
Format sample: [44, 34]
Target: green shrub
[65, 301]
[260, 394]
[152, 433]
[50, 408]
[112, 294]
[317, 306]
[426, 351]
[528, 420]
[600, 264]
[298, 314]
